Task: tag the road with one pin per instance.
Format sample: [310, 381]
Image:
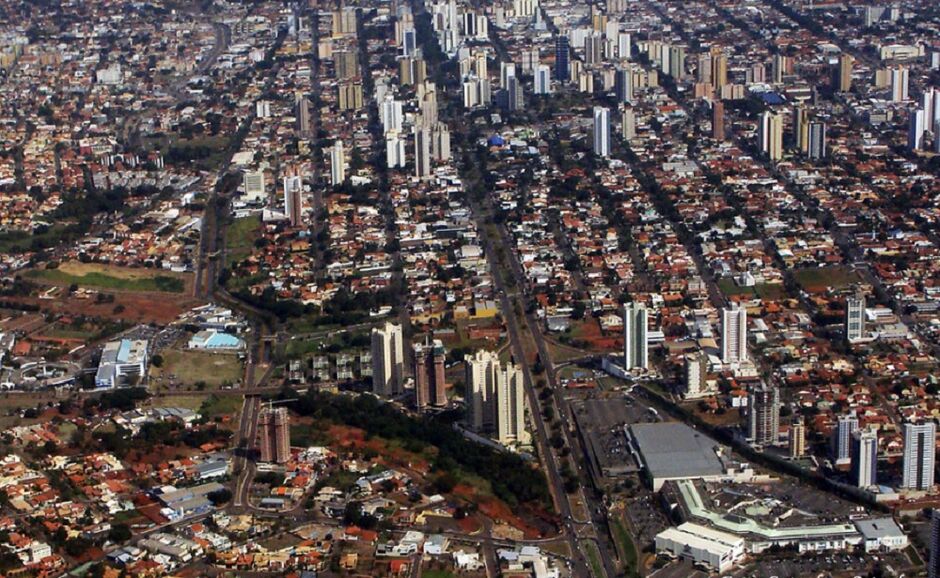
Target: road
[242, 465]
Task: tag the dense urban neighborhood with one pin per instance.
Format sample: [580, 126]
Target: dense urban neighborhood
[451, 288]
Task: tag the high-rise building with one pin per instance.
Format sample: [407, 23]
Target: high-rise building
[422, 152]
[346, 64]
[440, 142]
[628, 124]
[345, 21]
[635, 340]
[763, 415]
[562, 53]
[514, 94]
[543, 79]
[623, 84]
[817, 140]
[601, 131]
[842, 438]
[718, 120]
[933, 565]
[797, 442]
[391, 115]
[496, 397]
[719, 69]
[302, 113]
[801, 128]
[394, 151]
[409, 42]
[350, 95]
[481, 368]
[734, 334]
[919, 455]
[770, 135]
[430, 387]
[855, 318]
[864, 458]
[337, 164]
[507, 70]
[846, 63]
[510, 406]
[696, 374]
[274, 435]
[624, 45]
[676, 62]
[915, 131]
[900, 77]
[593, 49]
[292, 200]
[388, 360]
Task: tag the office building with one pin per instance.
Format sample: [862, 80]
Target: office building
[422, 152]
[543, 79]
[635, 340]
[797, 442]
[123, 362]
[628, 124]
[430, 387]
[601, 131]
[770, 135]
[919, 455]
[388, 360]
[842, 438]
[864, 458]
[562, 54]
[846, 62]
[734, 335]
[515, 99]
[718, 120]
[817, 140]
[337, 164]
[900, 77]
[763, 406]
[292, 200]
[855, 318]
[274, 435]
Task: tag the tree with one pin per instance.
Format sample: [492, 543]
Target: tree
[119, 533]
[220, 497]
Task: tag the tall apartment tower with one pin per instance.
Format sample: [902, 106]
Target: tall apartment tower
[430, 387]
[933, 566]
[388, 360]
[900, 78]
[510, 406]
[864, 458]
[801, 128]
[846, 62]
[763, 415]
[696, 372]
[496, 397]
[292, 200]
[422, 152]
[274, 435]
[635, 340]
[543, 79]
[919, 455]
[817, 140]
[797, 444]
[562, 54]
[770, 135]
[718, 120]
[842, 438]
[855, 318]
[628, 124]
[719, 69]
[601, 131]
[302, 112]
[337, 164]
[481, 369]
[734, 335]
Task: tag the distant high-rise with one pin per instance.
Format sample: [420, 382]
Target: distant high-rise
[391, 115]
[543, 79]
[440, 142]
[623, 84]
[919, 455]
[797, 443]
[302, 114]
[515, 99]
[337, 164]
[900, 76]
[274, 435]
[734, 334]
[628, 124]
[770, 135]
[388, 360]
[635, 340]
[801, 128]
[718, 120]
[254, 184]
[345, 21]
[481, 368]
[292, 200]
[510, 406]
[696, 372]
[763, 415]
[495, 397]
[915, 131]
[842, 438]
[855, 318]
[846, 62]
[507, 70]
[676, 62]
[346, 64]
[562, 53]
[817, 140]
[718, 69]
[593, 49]
[422, 152]
[350, 95]
[864, 458]
[394, 151]
[430, 387]
[601, 131]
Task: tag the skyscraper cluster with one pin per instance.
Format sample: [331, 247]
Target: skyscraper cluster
[496, 397]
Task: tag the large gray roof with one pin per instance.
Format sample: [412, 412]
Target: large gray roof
[675, 450]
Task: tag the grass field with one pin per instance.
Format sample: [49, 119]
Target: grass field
[771, 291]
[627, 548]
[240, 238]
[193, 402]
[217, 405]
[98, 276]
[820, 279]
[192, 367]
[594, 559]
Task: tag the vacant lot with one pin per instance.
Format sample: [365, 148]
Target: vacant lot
[193, 367]
[240, 238]
[819, 280]
[99, 276]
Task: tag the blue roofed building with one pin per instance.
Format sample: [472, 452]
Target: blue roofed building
[215, 340]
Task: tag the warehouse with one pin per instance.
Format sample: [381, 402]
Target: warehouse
[719, 551]
[675, 451]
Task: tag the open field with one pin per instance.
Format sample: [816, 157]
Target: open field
[192, 367]
[819, 280]
[594, 558]
[768, 291]
[99, 276]
[240, 238]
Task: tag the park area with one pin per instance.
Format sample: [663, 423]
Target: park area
[822, 279]
[110, 277]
